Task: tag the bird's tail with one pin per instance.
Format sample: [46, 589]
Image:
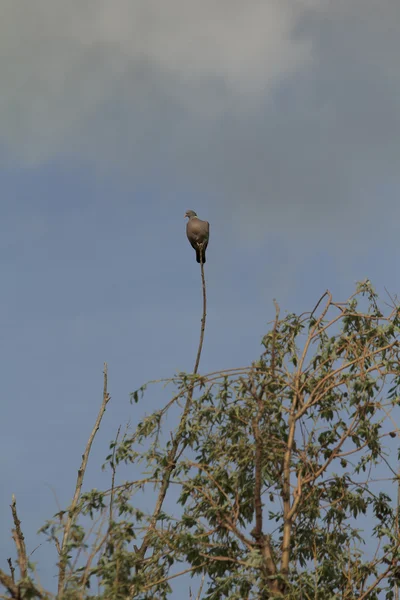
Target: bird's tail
[198, 255]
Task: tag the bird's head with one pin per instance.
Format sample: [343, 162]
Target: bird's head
[189, 214]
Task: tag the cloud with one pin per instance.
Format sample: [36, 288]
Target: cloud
[282, 113]
[64, 64]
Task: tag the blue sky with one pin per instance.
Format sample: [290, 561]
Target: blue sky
[276, 121]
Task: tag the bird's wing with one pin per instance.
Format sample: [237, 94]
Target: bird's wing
[197, 231]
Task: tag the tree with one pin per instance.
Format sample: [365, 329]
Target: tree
[283, 475]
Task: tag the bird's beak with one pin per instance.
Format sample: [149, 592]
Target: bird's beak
[185, 215]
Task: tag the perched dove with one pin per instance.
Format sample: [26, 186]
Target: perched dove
[198, 233]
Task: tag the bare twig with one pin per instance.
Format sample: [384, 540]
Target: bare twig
[314, 328]
[326, 293]
[12, 568]
[19, 540]
[79, 482]
[203, 319]
[287, 524]
[89, 562]
[178, 440]
[258, 529]
[113, 467]
[375, 583]
[164, 579]
[198, 596]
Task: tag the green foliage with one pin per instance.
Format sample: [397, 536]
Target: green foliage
[280, 480]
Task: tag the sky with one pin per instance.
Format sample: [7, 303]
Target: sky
[278, 121]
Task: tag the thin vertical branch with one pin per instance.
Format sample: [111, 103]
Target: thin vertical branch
[113, 468]
[89, 562]
[178, 441]
[25, 587]
[78, 488]
[258, 482]
[203, 319]
[263, 541]
[12, 569]
[198, 596]
[19, 540]
[286, 496]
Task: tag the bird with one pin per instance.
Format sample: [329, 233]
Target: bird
[198, 233]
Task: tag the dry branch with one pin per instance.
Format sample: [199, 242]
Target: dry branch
[19, 541]
[178, 439]
[78, 488]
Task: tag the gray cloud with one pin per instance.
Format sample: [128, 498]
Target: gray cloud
[62, 62]
[285, 111]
